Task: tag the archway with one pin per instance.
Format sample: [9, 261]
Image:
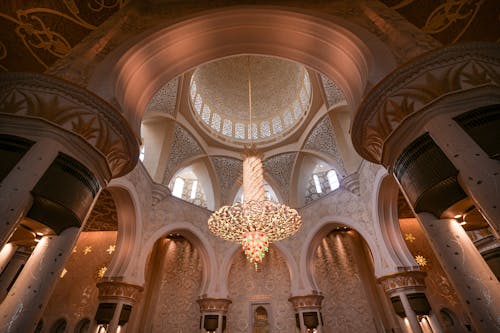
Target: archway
[330, 48]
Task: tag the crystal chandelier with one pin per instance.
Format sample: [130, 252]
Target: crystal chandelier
[256, 222]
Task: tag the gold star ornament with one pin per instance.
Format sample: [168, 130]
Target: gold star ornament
[111, 249]
[421, 261]
[410, 238]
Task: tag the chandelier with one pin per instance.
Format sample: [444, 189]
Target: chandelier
[256, 222]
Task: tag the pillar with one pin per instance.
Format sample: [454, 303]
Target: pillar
[211, 308]
[15, 188]
[8, 250]
[398, 287]
[12, 269]
[480, 183]
[308, 308]
[25, 302]
[122, 297]
[475, 284]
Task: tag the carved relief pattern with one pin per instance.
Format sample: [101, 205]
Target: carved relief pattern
[339, 279]
[183, 147]
[408, 90]
[176, 309]
[214, 304]
[334, 95]
[165, 99]
[73, 109]
[403, 280]
[271, 285]
[115, 289]
[322, 139]
[280, 167]
[103, 216]
[229, 172]
[306, 301]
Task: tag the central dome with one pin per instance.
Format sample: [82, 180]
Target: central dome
[281, 94]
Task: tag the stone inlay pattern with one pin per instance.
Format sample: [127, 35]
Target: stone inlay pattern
[280, 167]
[184, 146]
[413, 279]
[334, 95]
[322, 139]
[165, 99]
[411, 88]
[228, 174]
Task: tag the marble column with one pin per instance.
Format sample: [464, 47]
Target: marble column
[119, 293]
[213, 306]
[25, 302]
[482, 183]
[8, 250]
[15, 264]
[15, 188]
[402, 284]
[308, 303]
[475, 284]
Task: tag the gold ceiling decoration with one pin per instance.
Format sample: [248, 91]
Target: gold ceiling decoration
[35, 37]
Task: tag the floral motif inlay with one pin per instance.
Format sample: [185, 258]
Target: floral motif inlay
[280, 168]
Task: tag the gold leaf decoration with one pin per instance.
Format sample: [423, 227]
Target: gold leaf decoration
[421, 261]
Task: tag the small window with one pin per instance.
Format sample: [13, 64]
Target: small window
[317, 184]
[216, 122]
[227, 127]
[239, 131]
[333, 180]
[206, 114]
[277, 127]
[178, 187]
[194, 188]
[265, 129]
[141, 152]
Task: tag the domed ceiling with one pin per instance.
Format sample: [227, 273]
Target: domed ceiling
[280, 92]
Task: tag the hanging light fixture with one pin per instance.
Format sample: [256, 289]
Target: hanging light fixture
[256, 222]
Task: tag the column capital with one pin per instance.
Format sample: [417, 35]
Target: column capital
[409, 280]
[213, 304]
[312, 301]
[117, 290]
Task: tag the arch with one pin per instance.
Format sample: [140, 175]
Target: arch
[329, 45]
[129, 230]
[231, 253]
[59, 326]
[198, 239]
[83, 326]
[385, 209]
[319, 231]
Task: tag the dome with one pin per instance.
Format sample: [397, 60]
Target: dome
[281, 95]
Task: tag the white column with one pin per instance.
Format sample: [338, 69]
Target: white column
[113, 324]
[16, 262]
[25, 302]
[15, 196]
[6, 254]
[436, 327]
[410, 314]
[475, 284]
[478, 175]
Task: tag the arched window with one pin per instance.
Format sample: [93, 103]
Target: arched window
[317, 184]
[333, 180]
[178, 187]
[141, 152]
